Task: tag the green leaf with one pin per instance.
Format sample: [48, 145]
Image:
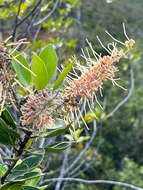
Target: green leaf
[3, 169]
[39, 68]
[29, 163]
[43, 187]
[63, 75]
[34, 181]
[57, 147]
[30, 188]
[69, 137]
[15, 187]
[24, 169]
[49, 57]
[8, 136]
[6, 116]
[12, 186]
[81, 139]
[78, 132]
[27, 176]
[55, 132]
[23, 75]
[37, 151]
[58, 124]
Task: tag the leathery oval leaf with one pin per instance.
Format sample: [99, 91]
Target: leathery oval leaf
[57, 147]
[62, 75]
[49, 57]
[8, 136]
[7, 117]
[23, 74]
[38, 67]
[55, 132]
[30, 188]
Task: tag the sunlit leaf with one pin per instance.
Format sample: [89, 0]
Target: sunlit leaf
[3, 169]
[91, 116]
[49, 57]
[23, 75]
[69, 137]
[81, 139]
[30, 188]
[43, 187]
[39, 68]
[63, 75]
[78, 132]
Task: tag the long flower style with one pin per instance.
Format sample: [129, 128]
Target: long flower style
[92, 76]
[96, 71]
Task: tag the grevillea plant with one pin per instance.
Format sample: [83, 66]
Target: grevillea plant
[28, 94]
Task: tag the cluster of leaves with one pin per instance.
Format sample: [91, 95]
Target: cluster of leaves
[25, 173]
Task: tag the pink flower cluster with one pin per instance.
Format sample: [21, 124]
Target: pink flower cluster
[93, 76]
[36, 111]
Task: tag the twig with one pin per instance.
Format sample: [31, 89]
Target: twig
[19, 153]
[58, 185]
[127, 97]
[31, 27]
[36, 33]
[65, 171]
[92, 160]
[84, 150]
[48, 15]
[16, 20]
[7, 4]
[77, 168]
[15, 97]
[95, 182]
[28, 15]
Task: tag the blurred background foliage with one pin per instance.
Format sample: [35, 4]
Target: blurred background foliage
[116, 152]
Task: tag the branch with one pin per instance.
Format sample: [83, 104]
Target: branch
[1, 160]
[75, 172]
[95, 182]
[16, 20]
[4, 151]
[58, 185]
[84, 150]
[65, 171]
[127, 97]
[28, 15]
[48, 15]
[6, 4]
[19, 153]
[77, 168]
